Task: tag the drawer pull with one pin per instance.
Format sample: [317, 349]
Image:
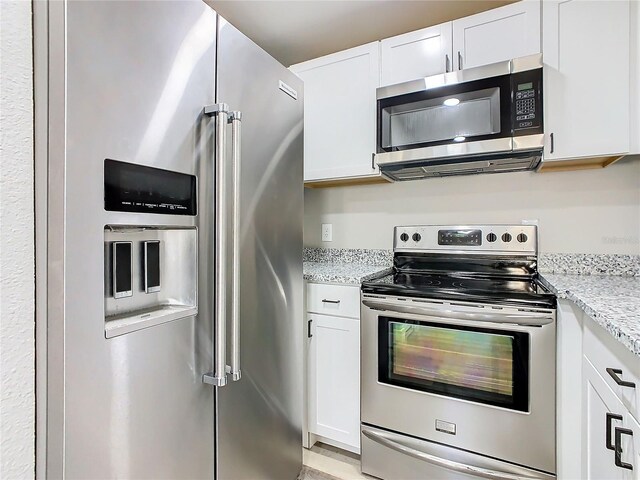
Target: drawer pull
[618, 459]
[331, 301]
[611, 416]
[615, 374]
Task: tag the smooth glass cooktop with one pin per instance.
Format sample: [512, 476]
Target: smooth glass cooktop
[460, 287]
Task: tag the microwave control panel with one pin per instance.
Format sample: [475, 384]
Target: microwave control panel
[527, 101]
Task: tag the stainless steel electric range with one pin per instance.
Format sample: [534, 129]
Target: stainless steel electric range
[458, 358]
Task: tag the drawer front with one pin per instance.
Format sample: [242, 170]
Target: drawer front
[337, 300]
[612, 359]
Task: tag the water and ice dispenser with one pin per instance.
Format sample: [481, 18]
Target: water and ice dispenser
[150, 271]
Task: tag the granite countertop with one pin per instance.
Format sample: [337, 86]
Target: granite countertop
[348, 273]
[612, 301]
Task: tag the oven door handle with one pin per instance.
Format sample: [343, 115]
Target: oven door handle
[530, 319]
[471, 470]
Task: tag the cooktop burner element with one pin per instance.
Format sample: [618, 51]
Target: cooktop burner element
[487, 264]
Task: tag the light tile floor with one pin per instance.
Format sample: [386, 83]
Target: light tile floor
[324, 462]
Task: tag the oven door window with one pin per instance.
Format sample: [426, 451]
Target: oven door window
[472, 111]
[476, 364]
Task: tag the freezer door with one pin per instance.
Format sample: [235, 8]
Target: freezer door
[259, 416]
[128, 81]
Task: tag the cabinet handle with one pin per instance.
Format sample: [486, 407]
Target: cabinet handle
[331, 301]
[459, 60]
[551, 138]
[615, 374]
[309, 334]
[447, 63]
[611, 416]
[373, 163]
[618, 448]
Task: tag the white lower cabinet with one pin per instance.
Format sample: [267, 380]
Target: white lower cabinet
[611, 434]
[633, 448]
[333, 378]
[569, 402]
[603, 413]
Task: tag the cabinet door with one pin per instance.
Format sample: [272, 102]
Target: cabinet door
[586, 78]
[631, 449]
[334, 388]
[340, 113]
[599, 400]
[416, 54]
[569, 390]
[497, 35]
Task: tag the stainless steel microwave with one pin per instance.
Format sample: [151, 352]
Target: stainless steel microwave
[481, 120]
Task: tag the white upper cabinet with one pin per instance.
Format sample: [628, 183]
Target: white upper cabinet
[635, 78]
[340, 113]
[416, 54]
[586, 78]
[496, 35]
[500, 34]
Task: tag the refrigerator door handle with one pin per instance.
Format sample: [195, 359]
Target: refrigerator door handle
[219, 375]
[235, 118]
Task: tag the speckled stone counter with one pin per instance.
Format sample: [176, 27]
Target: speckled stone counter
[589, 264]
[347, 273]
[350, 266]
[612, 301]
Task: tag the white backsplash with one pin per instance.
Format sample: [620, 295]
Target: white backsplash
[584, 211]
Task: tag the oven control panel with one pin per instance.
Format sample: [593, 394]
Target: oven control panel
[497, 239]
[459, 237]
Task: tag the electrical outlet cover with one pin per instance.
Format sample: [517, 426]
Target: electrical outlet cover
[327, 232]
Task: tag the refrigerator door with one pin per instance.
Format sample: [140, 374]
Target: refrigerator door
[259, 417]
[128, 81]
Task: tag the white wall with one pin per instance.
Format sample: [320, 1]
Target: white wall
[588, 211]
[17, 354]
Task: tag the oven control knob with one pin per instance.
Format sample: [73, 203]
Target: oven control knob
[506, 237]
[416, 237]
[491, 237]
[404, 237]
[522, 238]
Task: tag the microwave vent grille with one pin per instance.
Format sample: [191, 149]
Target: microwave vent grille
[510, 163]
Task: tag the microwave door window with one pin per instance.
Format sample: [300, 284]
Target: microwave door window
[464, 115]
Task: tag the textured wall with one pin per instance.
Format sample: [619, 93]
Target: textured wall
[17, 354]
[588, 211]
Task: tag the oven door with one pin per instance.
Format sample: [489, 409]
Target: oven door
[482, 365]
[479, 378]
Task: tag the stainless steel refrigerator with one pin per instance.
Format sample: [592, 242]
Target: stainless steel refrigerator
[171, 146]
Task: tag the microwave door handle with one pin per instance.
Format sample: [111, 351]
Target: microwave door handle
[235, 118]
[464, 468]
[218, 377]
[531, 319]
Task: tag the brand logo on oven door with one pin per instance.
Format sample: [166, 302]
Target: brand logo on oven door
[446, 427]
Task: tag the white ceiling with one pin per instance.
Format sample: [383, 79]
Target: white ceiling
[295, 31]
